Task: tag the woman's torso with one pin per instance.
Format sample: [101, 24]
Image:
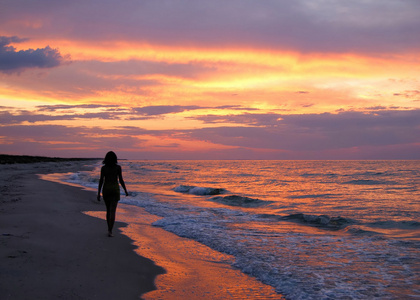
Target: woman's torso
[110, 173]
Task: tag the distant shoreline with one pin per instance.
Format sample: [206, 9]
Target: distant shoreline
[28, 159]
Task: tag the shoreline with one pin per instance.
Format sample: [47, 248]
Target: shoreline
[55, 247]
[51, 250]
[193, 270]
[29, 159]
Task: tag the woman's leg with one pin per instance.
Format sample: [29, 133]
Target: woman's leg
[111, 208]
[112, 212]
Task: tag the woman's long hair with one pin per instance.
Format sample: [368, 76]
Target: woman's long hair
[110, 158]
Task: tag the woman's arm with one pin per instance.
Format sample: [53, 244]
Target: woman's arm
[122, 180]
[101, 182]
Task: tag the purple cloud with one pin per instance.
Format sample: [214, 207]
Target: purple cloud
[409, 94]
[11, 115]
[26, 116]
[163, 109]
[253, 134]
[70, 137]
[305, 26]
[16, 61]
[246, 118]
[314, 132]
[53, 108]
[168, 109]
[347, 135]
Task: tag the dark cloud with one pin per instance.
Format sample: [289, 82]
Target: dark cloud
[245, 119]
[33, 117]
[379, 107]
[44, 132]
[53, 137]
[16, 61]
[378, 134]
[235, 107]
[314, 132]
[42, 113]
[168, 109]
[409, 94]
[379, 117]
[306, 26]
[163, 109]
[262, 131]
[5, 41]
[53, 108]
[385, 120]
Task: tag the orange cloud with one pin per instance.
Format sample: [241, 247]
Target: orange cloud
[257, 78]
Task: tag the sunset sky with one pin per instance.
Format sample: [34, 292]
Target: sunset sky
[195, 79]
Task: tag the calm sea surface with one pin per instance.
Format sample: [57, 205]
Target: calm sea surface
[311, 229]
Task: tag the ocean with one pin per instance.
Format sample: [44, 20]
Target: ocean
[310, 229]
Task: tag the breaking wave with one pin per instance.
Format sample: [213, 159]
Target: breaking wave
[234, 200]
[196, 190]
[319, 221]
[395, 224]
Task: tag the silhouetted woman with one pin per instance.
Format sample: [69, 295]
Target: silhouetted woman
[110, 175]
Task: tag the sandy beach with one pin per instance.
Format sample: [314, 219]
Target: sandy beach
[54, 246]
[50, 250]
